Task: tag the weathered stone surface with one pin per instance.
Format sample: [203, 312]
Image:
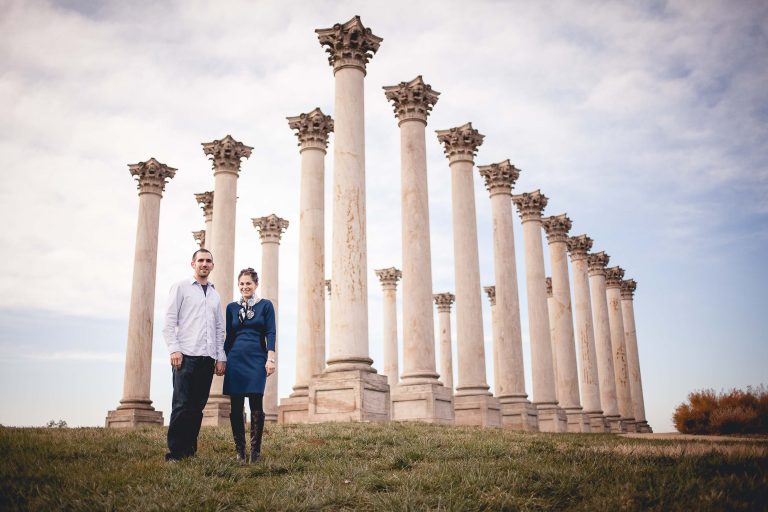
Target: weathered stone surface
[135, 407]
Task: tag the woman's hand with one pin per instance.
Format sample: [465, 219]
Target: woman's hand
[270, 366]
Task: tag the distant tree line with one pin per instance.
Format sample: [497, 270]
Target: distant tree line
[732, 412]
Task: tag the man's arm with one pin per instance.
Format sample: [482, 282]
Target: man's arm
[171, 321]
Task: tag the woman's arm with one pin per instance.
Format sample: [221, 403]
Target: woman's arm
[230, 337]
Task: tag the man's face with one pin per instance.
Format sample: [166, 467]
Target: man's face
[203, 264]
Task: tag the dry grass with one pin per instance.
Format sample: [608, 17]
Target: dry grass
[378, 467]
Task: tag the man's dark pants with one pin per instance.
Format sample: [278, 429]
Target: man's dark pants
[191, 385]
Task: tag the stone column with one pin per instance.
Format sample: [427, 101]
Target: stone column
[199, 237]
[596, 263]
[226, 155]
[443, 302]
[491, 292]
[473, 403]
[516, 411]
[551, 316]
[135, 409]
[205, 200]
[578, 247]
[557, 228]
[312, 130]
[551, 417]
[628, 287]
[271, 229]
[420, 396]
[349, 388]
[389, 278]
[613, 277]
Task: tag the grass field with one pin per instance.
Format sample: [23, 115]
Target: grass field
[379, 467]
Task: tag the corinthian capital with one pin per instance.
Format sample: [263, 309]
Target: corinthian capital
[312, 129]
[491, 291]
[412, 100]
[226, 154]
[557, 228]
[205, 200]
[270, 228]
[443, 301]
[579, 246]
[151, 176]
[389, 277]
[460, 143]
[530, 204]
[349, 44]
[628, 287]
[499, 178]
[199, 237]
[597, 263]
[613, 277]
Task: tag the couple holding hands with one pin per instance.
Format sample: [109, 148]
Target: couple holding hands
[240, 345]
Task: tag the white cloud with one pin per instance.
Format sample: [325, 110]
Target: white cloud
[627, 116]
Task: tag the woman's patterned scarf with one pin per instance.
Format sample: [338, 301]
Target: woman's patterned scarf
[246, 308]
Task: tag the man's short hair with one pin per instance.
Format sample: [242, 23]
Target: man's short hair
[194, 254]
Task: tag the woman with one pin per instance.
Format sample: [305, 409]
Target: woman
[250, 348]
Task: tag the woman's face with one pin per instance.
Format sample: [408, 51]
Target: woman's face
[247, 286]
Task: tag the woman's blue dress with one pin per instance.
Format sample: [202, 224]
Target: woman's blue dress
[249, 342]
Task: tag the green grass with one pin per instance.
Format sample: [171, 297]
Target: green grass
[378, 467]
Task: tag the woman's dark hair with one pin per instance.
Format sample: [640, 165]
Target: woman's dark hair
[249, 271]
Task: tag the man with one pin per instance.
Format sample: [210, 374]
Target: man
[194, 333]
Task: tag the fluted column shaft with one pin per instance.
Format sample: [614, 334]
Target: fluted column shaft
[585, 336]
[508, 341]
[469, 315]
[418, 323]
[222, 241]
[443, 302]
[313, 129]
[538, 313]
[349, 302]
[605, 370]
[310, 328]
[616, 322]
[389, 320]
[138, 356]
[270, 258]
[565, 348]
[633, 356]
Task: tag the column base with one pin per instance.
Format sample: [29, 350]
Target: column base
[644, 427]
[519, 416]
[598, 423]
[429, 403]
[351, 395]
[551, 418]
[483, 410]
[630, 424]
[294, 409]
[134, 414]
[615, 424]
[216, 412]
[577, 420]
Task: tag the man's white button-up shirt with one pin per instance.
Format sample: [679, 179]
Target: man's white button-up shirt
[194, 323]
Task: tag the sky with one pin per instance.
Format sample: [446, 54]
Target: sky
[647, 122]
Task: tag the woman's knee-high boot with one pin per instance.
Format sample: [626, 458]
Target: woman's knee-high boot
[257, 431]
[238, 433]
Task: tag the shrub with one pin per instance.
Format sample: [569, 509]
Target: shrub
[734, 412]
